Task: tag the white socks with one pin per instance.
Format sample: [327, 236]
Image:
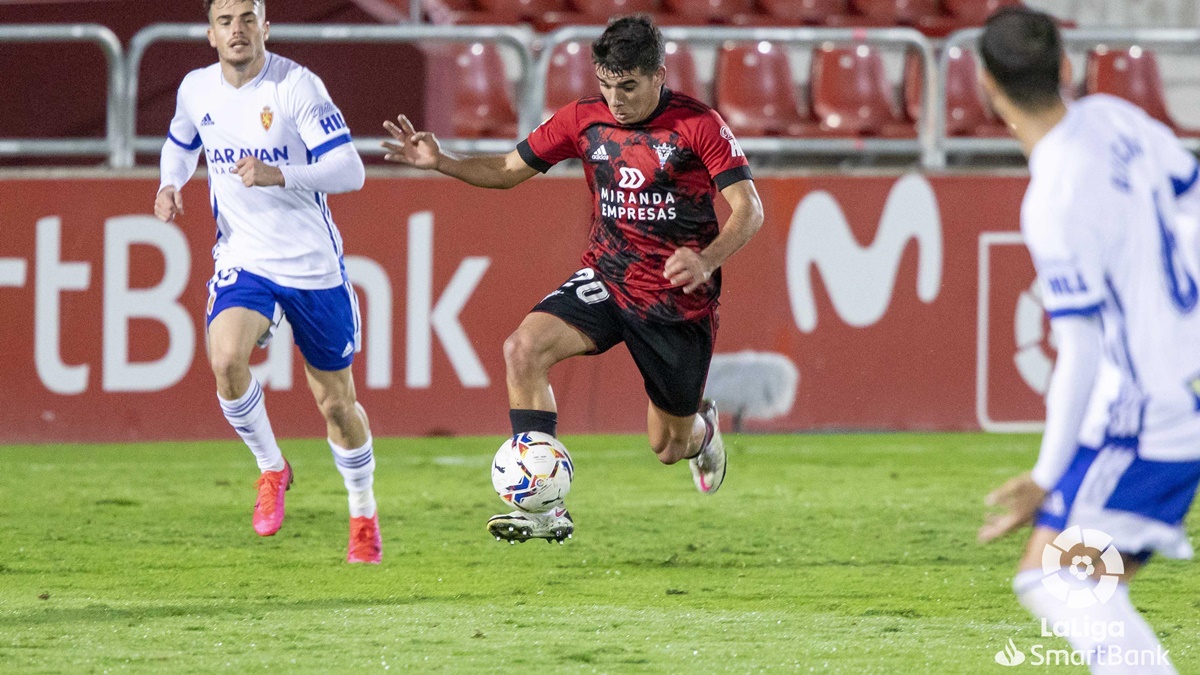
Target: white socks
[357, 467]
[248, 416]
[1102, 631]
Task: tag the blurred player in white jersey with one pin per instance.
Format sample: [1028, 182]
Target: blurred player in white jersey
[275, 145]
[1111, 192]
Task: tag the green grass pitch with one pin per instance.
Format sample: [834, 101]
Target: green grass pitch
[845, 553]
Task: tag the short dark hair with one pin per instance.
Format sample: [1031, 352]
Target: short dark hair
[209, 3]
[630, 44]
[1022, 50]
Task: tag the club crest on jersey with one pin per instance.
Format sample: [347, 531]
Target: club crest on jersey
[664, 151]
[266, 116]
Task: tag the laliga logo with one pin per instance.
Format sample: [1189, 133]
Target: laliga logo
[631, 179]
[859, 279]
[1033, 364]
[1010, 655]
[1085, 551]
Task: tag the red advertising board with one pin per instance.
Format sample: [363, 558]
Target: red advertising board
[902, 302]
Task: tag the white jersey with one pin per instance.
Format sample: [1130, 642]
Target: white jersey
[283, 117]
[1101, 218]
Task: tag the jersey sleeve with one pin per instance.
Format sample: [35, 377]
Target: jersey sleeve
[720, 152]
[320, 123]
[553, 141]
[182, 131]
[181, 152]
[1061, 227]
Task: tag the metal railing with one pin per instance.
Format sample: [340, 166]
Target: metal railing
[114, 140]
[518, 38]
[1181, 40]
[925, 145]
[932, 145]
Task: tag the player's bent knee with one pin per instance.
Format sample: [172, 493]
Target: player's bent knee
[230, 367]
[521, 352]
[340, 411]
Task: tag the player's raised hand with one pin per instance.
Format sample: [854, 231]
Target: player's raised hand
[168, 204]
[1019, 500]
[687, 268]
[419, 149]
[255, 172]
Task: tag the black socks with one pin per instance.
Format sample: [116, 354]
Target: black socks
[533, 420]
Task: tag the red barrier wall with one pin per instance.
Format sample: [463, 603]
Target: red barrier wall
[869, 285]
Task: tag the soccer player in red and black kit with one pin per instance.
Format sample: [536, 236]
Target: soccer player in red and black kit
[654, 160]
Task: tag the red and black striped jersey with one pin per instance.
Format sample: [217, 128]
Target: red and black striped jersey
[654, 183]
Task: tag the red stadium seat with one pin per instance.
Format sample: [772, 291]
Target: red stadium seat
[681, 71]
[483, 107]
[572, 76]
[851, 95]
[800, 11]
[526, 9]
[1131, 74]
[710, 11]
[755, 93]
[908, 12]
[966, 112]
[975, 12]
[606, 8]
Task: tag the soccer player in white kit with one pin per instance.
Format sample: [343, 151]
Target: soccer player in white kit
[275, 146]
[1109, 219]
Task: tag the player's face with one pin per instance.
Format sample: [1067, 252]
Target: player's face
[631, 97]
[238, 30]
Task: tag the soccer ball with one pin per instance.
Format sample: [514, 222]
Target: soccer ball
[532, 471]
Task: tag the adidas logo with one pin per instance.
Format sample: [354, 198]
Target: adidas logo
[207, 121]
[348, 350]
[600, 155]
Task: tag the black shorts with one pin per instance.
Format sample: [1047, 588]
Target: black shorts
[672, 357]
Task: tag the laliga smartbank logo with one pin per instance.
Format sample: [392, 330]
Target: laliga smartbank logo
[1010, 655]
[1081, 568]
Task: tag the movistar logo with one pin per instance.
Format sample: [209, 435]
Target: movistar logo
[860, 280]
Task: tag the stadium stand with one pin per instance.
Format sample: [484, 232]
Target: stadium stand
[966, 112]
[571, 76]
[851, 94]
[1131, 73]
[681, 71]
[754, 92]
[475, 89]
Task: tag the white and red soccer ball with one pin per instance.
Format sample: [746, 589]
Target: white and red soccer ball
[532, 471]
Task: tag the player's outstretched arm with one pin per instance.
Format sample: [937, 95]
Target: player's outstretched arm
[1080, 343]
[421, 150]
[690, 269]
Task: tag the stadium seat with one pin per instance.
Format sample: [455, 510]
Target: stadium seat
[851, 95]
[571, 76]
[592, 13]
[908, 12]
[705, 11]
[606, 8]
[483, 107]
[526, 9]
[755, 93]
[975, 12]
[681, 71]
[1133, 75]
[791, 12]
[966, 112]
